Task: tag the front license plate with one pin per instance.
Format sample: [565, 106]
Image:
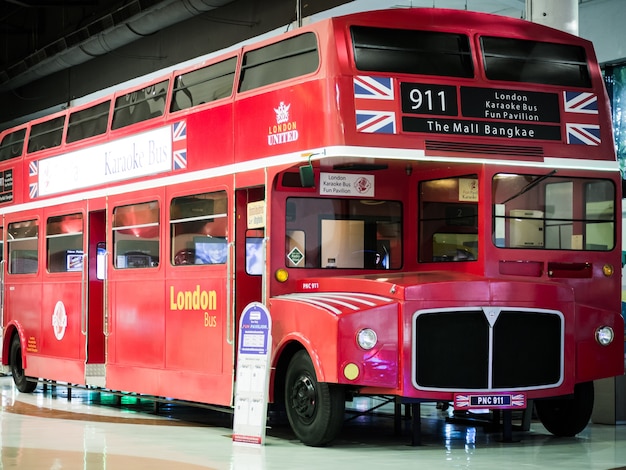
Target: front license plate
[501, 401]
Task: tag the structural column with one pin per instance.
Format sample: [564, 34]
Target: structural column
[559, 14]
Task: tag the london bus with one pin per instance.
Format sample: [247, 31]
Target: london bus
[426, 201]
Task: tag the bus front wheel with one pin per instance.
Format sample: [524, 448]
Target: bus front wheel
[17, 371]
[567, 416]
[315, 409]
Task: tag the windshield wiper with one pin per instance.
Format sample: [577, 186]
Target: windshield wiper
[530, 185]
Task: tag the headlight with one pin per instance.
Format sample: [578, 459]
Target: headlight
[605, 335]
[366, 338]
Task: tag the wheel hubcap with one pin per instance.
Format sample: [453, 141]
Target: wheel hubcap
[303, 397]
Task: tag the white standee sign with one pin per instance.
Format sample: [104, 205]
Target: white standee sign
[253, 372]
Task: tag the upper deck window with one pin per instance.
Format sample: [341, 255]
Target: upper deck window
[204, 85]
[283, 60]
[410, 51]
[12, 145]
[88, 122]
[46, 134]
[140, 105]
[546, 63]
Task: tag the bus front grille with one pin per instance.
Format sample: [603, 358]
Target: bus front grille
[487, 349]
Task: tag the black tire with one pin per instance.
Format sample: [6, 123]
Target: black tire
[315, 409]
[567, 416]
[17, 371]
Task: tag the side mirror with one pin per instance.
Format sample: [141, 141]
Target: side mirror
[307, 176]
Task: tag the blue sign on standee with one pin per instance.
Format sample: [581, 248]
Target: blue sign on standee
[255, 329]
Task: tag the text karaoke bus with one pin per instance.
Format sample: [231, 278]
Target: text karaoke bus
[426, 201]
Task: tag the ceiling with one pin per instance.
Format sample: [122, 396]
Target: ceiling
[39, 38]
[28, 26]
[33, 31]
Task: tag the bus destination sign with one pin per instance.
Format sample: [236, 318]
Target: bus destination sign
[485, 112]
[510, 105]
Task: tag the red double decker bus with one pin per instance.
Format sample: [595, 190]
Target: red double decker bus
[427, 202]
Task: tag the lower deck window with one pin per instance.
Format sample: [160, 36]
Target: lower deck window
[198, 227]
[64, 243]
[23, 240]
[553, 212]
[343, 233]
[136, 235]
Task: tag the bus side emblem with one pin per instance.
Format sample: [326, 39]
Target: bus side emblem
[59, 320]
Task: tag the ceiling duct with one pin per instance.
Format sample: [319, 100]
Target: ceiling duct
[135, 20]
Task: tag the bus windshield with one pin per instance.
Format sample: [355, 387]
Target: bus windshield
[343, 233]
[448, 221]
[545, 211]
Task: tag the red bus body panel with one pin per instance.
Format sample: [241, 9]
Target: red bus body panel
[170, 330]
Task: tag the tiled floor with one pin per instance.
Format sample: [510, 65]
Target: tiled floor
[45, 430]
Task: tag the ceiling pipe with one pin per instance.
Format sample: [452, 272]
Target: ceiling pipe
[144, 23]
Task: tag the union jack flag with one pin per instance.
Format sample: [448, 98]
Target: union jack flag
[374, 105]
[179, 144]
[583, 134]
[518, 400]
[582, 108]
[462, 401]
[580, 102]
[33, 183]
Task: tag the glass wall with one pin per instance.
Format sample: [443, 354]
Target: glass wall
[615, 79]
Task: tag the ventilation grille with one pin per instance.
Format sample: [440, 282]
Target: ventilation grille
[463, 147]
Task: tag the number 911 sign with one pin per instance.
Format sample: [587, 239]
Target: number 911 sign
[419, 98]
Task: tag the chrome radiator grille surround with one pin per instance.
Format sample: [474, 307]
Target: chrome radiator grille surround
[487, 348]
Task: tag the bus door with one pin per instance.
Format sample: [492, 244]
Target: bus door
[93, 329]
[249, 247]
[68, 336]
[198, 266]
[134, 321]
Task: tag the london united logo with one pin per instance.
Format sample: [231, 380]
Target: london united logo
[285, 130]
